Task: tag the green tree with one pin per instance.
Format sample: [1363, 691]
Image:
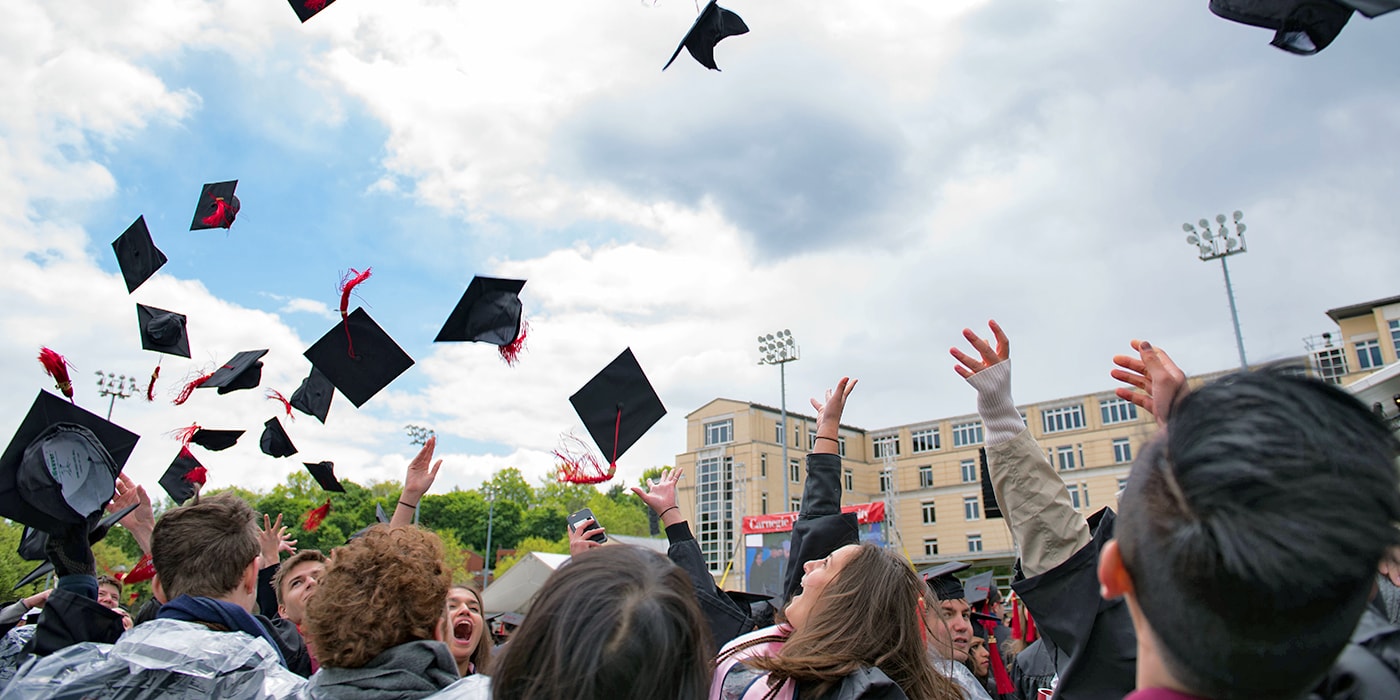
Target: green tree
[527, 545]
[509, 485]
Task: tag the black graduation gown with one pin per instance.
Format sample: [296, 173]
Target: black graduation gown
[69, 619]
[1098, 659]
[821, 527]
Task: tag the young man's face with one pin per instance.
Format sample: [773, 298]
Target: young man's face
[297, 589]
[108, 596]
[950, 628]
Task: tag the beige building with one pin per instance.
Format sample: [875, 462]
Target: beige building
[1363, 354]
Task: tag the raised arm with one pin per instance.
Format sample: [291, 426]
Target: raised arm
[1156, 380]
[416, 482]
[140, 522]
[1033, 498]
[821, 528]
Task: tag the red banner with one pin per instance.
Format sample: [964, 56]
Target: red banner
[866, 513]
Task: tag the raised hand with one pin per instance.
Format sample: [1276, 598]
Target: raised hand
[660, 496]
[140, 522]
[988, 356]
[273, 540]
[1159, 383]
[419, 477]
[578, 537]
[829, 413]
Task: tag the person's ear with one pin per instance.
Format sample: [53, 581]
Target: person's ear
[158, 590]
[250, 576]
[1114, 581]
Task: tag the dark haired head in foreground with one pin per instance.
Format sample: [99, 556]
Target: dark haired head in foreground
[1250, 535]
[617, 623]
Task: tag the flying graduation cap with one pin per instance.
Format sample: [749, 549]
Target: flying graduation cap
[61, 466]
[306, 9]
[324, 473]
[163, 331]
[216, 440]
[274, 441]
[183, 477]
[243, 371]
[713, 24]
[358, 357]
[488, 312]
[217, 207]
[137, 254]
[314, 395]
[1302, 27]
[617, 406]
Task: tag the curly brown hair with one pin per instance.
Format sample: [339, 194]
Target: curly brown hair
[379, 591]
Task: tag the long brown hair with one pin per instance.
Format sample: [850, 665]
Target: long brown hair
[481, 656]
[868, 615]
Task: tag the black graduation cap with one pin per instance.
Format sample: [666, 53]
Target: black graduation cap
[32, 542]
[163, 331]
[274, 442]
[713, 24]
[488, 312]
[941, 580]
[306, 9]
[1301, 26]
[183, 477]
[216, 440]
[379, 513]
[244, 371]
[39, 572]
[61, 466]
[618, 406]
[324, 473]
[137, 254]
[990, 508]
[978, 588]
[377, 359]
[314, 395]
[217, 206]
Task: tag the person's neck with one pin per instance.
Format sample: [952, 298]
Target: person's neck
[234, 600]
[1152, 672]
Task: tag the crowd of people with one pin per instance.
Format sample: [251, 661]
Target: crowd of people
[1249, 557]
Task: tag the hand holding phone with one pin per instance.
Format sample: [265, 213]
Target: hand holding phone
[596, 530]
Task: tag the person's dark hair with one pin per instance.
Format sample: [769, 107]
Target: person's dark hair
[868, 616]
[112, 581]
[203, 549]
[146, 612]
[616, 623]
[380, 590]
[1252, 528]
[293, 562]
[481, 656]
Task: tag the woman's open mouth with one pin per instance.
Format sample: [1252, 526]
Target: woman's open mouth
[462, 630]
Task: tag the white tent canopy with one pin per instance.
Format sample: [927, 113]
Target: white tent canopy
[514, 590]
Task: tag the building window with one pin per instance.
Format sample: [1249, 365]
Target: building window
[1065, 453]
[1122, 451]
[763, 503]
[931, 547]
[925, 476]
[795, 505]
[926, 440]
[969, 471]
[974, 543]
[719, 432]
[1122, 483]
[886, 481]
[1084, 492]
[714, 510]
[1116, 410]
[972, 508]
[797, 435]
[811, 438]
[1058, 420]
[763, 465]
[886, 446]
[841, 445]
[1395, 335]
[965, 434]
[930, 513]
[850, 478]
[778, 432]
[1331, 364]
[794, 471]
[1368, 354]
[1073, 495]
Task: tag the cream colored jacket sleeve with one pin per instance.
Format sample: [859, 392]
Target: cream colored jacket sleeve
[1033, 498]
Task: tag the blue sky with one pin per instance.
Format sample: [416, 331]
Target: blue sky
[874, 178]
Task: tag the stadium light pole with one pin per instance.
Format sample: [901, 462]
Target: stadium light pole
[779, 349]
[1219, 245]
[117, 386]
[418, 435]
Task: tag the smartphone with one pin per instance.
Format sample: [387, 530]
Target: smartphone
[582, 515]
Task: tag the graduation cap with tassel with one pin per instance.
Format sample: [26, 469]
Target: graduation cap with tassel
[712, 25]
[137, 254]
[617, 406]
[489, 312]
[217, 207]
[56, 366]
[357, 356]
[243, 371]
[306, 9]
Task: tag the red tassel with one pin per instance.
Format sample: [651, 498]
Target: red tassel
[318, 514]
[223, 214]
[151, 388]
[143, 571]
[57, 367]
[189, 389]
[923, 620]
[1031, 633]
[277, 395]
[511, 351]
[578, 465]
[1016, 618]
[1004, 684]
[316, 5]
[132, 598]
[197, 476]
[184, 435]
[348, 282]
